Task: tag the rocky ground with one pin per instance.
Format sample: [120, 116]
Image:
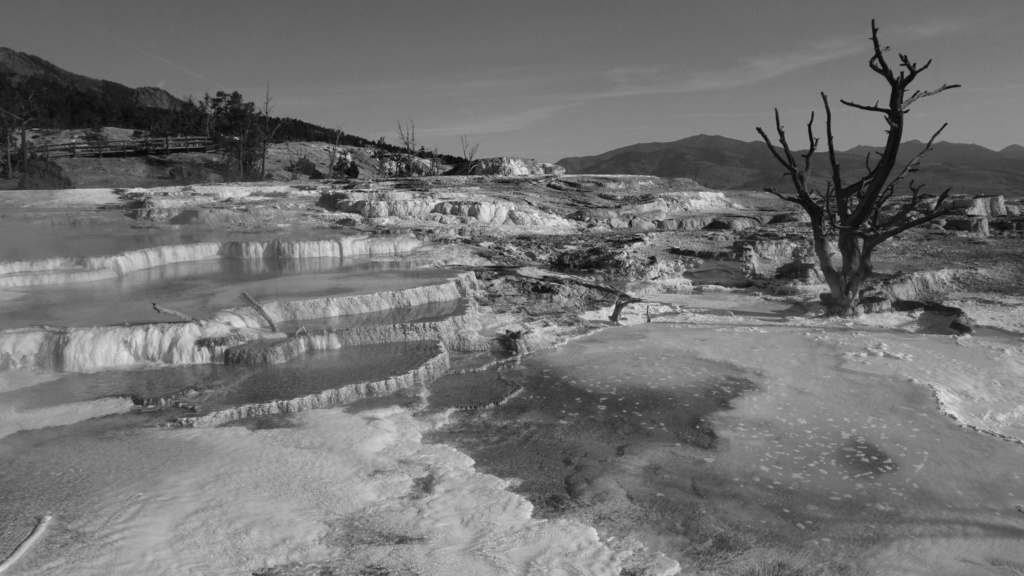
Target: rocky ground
[645, 235]
[555, 252]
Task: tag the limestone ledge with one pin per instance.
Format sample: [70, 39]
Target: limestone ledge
[463, 284]
[94, 348]
[457, 333]
[450, 208]
[65, 270]
[423, 375]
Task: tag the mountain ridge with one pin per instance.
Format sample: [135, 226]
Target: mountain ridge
[19, 66]
[727, 163]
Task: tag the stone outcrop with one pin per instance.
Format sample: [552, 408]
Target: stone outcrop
[973, 224]
[504, 166]
[1007, 225]
[686, 223]
[790, 218]
[917, 285]
[768, 258]
[937, 318]
[975, 215]
[439, 207]
[732, 223]
[552, 169]
[979, 206]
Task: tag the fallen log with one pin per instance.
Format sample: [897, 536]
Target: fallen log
[259, 310]
[160, 309]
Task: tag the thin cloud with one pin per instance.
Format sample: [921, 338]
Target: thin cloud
[172, 64]
[927, 29]
[746, 72]
[182, 68]
[758, 69]
[500, 123]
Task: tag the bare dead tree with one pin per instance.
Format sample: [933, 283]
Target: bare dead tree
[333, 154]
[435, 161]
[858, 216]
[468, 151]
[6, 132]
[382, 161]
[407, 138]
[266, 128]
[24, 116]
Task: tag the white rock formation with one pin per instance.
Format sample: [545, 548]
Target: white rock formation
[983, 206]
[423, 375]
[95, 348]
[502, 166]
[66, 270]
[451, 208]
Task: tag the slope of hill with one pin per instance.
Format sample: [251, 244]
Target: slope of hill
[56, 99]
[24, 72]
[725, 163]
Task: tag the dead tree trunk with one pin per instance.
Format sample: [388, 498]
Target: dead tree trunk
[8, 165]
[175, 313]
[24, 146]
[855, 218]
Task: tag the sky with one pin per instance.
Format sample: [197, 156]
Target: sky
[552, 79]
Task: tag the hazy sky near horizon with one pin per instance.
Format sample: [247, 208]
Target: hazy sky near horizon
[552, 79]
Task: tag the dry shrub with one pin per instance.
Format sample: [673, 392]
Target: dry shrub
[43, 174]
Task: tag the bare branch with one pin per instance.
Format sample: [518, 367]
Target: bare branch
[782, 141]
[837, 180]
[812, 146]
[875, 108]
[877, 62]
[774, 152]
[924, 219]
[407, 137]
[910, 166]
[775, 192]
[468, 151]
[917, 95]
[12, 115]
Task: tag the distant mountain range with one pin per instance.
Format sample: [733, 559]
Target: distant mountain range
[724, 163]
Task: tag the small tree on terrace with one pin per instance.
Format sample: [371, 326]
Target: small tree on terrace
[468, 151]
[861, 215]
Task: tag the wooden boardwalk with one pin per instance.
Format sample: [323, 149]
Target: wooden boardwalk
[123, 147]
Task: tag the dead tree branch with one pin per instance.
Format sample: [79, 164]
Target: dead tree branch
[259, 310]
[160, 309]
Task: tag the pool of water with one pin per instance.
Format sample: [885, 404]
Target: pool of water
[720, 444]
[201, 289]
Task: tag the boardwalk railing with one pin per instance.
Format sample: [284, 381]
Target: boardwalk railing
[123, 147]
